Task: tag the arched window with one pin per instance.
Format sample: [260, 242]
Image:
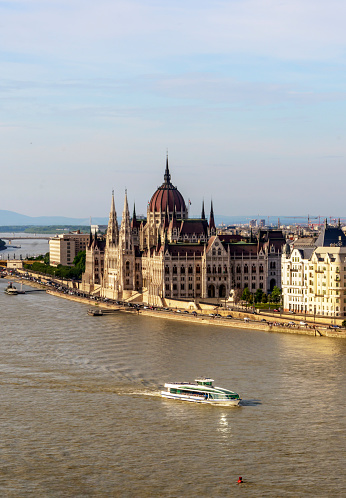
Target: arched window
[225, 269]
[238, 269]
[261, 269]
[214, 252]
[214, 269]
[222, 291]
[253, 269]
[246, 269]
[219, 252]
[182, 270]
[127, 265]
[198, 269]
[175, 271]
[190, 270]
[167, 270]
[219, 270]
[208, 269]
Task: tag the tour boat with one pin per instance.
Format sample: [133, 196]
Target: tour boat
[202, 391]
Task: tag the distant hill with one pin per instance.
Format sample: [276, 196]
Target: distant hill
[8, 218]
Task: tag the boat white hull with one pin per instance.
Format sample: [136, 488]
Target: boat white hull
[201, 399]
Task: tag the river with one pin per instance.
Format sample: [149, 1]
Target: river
[82, 415]
[24, 247]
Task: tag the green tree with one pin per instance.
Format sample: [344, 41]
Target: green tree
[276, 295]
[264, 298]
[79, 261]
[246, 296]
[258, 295]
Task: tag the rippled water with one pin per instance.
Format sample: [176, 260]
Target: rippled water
[81, 413]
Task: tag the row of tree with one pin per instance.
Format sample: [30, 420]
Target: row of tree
[2, 245]
[260, 297]
[41, 265]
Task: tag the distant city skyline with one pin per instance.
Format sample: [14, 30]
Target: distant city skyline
[248, 98]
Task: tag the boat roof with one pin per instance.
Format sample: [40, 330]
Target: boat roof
[189, 386]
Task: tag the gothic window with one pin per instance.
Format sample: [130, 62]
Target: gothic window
[219, 252]
[175, 271]
[225, 269]
[219, 270]
[246, 269]
[238, 269]
[261, 285]
[182, 286]
[190, 286]
[214, 252]
[208, 269]
[182, 270]
[174, 286]
[261, 269]
[167, 270]
[253, 269]
[214, 269]
[190, 270]
[127, 265]
[198, 269]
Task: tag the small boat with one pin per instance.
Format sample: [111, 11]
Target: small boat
[202, 391]
[96, 312]
[11, 290]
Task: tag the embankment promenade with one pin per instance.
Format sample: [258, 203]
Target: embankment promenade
[237, 323]
[251, 322]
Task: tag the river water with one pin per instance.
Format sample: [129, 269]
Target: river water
[81, 414]
[24, 247]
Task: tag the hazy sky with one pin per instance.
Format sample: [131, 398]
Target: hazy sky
[248, 96]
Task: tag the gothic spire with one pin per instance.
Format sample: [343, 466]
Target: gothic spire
[112, 230]
[203, 213]
[167, 176]
[211, 219]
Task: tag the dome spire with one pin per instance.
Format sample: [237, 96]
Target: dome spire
[167, 176]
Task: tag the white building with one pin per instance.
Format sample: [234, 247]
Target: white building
[314, 276]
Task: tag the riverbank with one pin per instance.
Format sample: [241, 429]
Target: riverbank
[237, 321]
[206, 320]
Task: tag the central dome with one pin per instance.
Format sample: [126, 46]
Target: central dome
[168, 195]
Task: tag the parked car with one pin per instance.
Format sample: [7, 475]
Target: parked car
[229, 316]
[303, 323]
[246, 319]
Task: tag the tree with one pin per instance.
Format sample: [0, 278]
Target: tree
[237, 295]
[246, 296]
[276, 295]
[264, 298]
[258, 295]
[79, 261]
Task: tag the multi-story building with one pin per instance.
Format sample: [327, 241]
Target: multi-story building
[314, 274]
[170, 255]
[63, 248]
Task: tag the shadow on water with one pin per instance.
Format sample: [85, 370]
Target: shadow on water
[250, 402]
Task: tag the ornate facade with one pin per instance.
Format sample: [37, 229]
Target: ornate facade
[171, 256]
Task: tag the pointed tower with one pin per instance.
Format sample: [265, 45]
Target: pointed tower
[212, 228]
[125, 227]
[203, 213]
[113, 229]
[126, 253]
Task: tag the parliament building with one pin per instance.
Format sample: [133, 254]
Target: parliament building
[169, 256]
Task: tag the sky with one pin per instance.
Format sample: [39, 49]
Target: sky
[247, 96]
